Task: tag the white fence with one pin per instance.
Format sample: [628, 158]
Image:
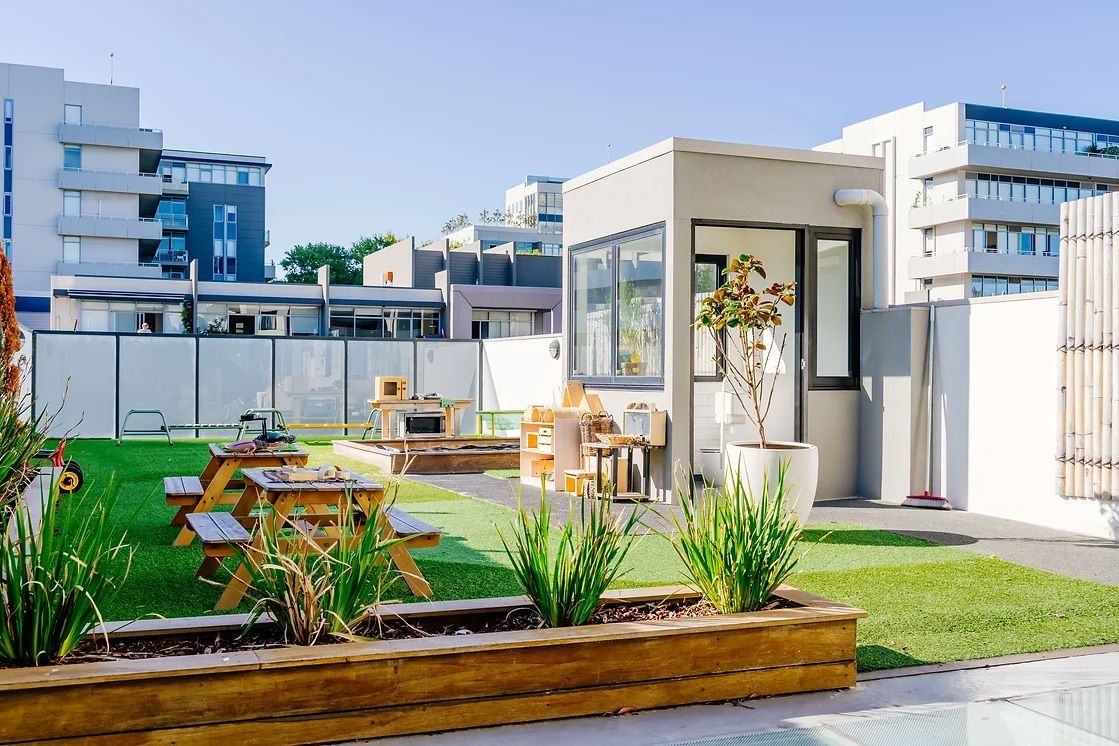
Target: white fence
[95, 378]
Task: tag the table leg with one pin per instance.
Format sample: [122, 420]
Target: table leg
[614, 453]
[645, 454]
[597, 472]
[210, 498]
[243, 575]
[449, 421]
[210, 470]
[398, 553]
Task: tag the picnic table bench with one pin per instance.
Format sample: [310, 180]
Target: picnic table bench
[238, 533]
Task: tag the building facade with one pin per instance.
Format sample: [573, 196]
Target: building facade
[212, 210]
[975, 193]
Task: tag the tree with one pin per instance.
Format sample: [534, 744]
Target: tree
[302, 262]
[367, 245]
[459, 221]
[9, 332]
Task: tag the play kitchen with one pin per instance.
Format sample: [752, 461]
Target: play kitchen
[418, 415]
[581, 449]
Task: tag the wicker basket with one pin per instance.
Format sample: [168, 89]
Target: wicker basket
[590, 427]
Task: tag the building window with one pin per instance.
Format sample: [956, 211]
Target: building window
[983, 286]
[72, 157]
[1027, 240]
[926, 139]
[383, 323]
[928, 242]
[496, 324]
[225, 242]
[1045, 139]
[182, 172]
[71, 249]
[71, 204]
[1011, 188]
[7, 157]
[9, 110]
[617, 296]
[7, 204]
[72, 114]
[172, 212]
[833, 280]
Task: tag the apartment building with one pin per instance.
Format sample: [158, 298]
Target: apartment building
[975, 193]
[89, 193]
[533, 220]
[212, 210]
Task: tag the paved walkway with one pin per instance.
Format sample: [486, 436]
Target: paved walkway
[1073, 700]
[1047, 549]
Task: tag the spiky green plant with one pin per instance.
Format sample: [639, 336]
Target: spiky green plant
[316, 594]
[55, 576]
[737, 548]
[21, 437]
[565, 576]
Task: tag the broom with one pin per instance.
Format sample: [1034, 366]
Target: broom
[928, 500]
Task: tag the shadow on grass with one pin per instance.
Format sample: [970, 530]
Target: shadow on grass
[877, 657]
[874, 538]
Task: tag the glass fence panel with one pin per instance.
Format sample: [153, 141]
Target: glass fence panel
[450, 369]
[233, 375]
[365, 360]
[75, 375]
[310, 382]
[157, 373]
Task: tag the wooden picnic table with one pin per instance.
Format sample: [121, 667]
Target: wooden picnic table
[317, 499]
[217, 477]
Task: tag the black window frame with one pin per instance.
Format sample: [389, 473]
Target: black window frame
[854, 275]
[720, 262]
[614, 380]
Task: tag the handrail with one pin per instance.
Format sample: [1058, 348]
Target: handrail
[111, 264]
[997, 198]
[114, 217]
[72, 170]
[970, 250]
[114, 126]
[1012, 146]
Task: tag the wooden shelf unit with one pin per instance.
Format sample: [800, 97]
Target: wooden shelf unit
[551, 447]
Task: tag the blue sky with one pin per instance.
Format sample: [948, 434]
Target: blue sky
[396, 116]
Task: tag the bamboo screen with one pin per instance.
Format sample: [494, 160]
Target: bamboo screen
[1088, 349]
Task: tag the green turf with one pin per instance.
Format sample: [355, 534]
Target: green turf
[926, 603]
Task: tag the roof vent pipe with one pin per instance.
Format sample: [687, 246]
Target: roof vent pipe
[878, 210]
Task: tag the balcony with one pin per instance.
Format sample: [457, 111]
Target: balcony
[101, 226]
[111, 135]
[982, 263]
[169, 256]
[173, 222]
[1005, 158]
[109, 181]
[108, 269]
[176, 188]
[985, 210]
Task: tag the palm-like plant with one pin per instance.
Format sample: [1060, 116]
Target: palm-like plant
[737, 549]
[565, 576]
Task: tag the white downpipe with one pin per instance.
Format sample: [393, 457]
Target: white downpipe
[879, 236]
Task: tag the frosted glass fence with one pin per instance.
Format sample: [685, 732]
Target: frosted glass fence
[95, 378]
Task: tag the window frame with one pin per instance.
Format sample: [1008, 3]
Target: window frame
[850, 382]
[612, 242]
[720, 262]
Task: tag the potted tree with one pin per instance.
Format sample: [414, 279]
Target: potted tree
[746, 326]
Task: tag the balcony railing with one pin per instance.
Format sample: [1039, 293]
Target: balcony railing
[87, 262]
[1014, 146]
[177, 256]
[114, 126]
[96, 171]
[173, 221]
[114, 217]
[995, 197]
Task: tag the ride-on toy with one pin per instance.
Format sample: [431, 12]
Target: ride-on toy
[71, 478]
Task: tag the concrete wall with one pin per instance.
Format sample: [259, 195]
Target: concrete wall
[396, 259]
[995, 403]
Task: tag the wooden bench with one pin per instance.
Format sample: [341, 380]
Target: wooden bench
[222, 535]
[183, 493]
[420, 534]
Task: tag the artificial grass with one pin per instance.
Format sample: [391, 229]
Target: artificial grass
[926, 603]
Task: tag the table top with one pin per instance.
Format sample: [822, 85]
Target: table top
[619, 446]
[422, 403]
[217, 450]
[263, 478]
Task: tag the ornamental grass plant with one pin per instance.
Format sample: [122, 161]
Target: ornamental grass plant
[565, 570]
[737, 547]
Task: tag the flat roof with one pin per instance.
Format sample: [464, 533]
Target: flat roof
[203, 156]
[713, 147]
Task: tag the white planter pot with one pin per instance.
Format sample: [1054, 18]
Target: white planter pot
[752, 464]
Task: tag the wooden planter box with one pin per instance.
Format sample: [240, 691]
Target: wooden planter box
[363, 690]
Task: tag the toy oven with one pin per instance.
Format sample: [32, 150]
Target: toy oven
[391, 388]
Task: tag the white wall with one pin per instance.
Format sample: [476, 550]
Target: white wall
[995, 404]
[519, 371]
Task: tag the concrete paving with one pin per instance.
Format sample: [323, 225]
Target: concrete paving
[1087, 684]
[1036, 546]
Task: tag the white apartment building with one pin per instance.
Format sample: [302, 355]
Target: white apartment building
[79, 182]
[534, 225]
[975, 193]
[540, 200]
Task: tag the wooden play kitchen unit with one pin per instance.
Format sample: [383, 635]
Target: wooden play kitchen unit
[200, 494]
[323, 501]
[393, 409]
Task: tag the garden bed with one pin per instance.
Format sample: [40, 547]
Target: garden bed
[433, 683]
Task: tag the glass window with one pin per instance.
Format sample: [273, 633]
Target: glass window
[592, 311]
[833, 312]
[9, 109]
[7, 204]
[7, 156]
[71, 203]
[72, 157]
[219, 213]
[640, 290]
[72, 114]
[708, 277]
[926, 139]
[71, 249]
